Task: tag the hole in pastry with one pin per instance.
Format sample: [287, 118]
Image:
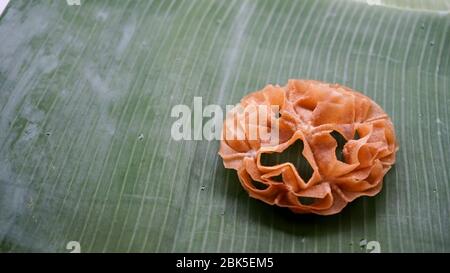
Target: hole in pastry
[306, 201]
[356, 135]
[258, 185]
[278, 178]
[293, 154]
[340, 145]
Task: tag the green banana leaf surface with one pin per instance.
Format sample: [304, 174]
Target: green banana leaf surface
[86, 92]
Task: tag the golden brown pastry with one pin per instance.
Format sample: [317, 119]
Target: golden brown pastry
[311, 112]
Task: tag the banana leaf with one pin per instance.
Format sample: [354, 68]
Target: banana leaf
[87, 161]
